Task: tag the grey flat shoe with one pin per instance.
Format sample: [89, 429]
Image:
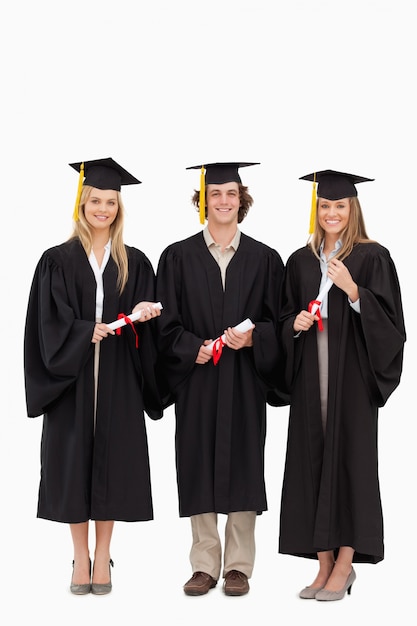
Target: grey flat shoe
[338, 595]
[100, 589]
[309, 593]
[80, 590]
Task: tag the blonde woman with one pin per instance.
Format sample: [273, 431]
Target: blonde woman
[91, 383]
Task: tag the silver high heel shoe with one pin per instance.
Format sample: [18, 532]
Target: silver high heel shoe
[100, 589]
[309, 593]
[338, 595]
[80, 590]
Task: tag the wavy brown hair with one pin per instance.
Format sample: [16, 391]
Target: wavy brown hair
[82, 231]
[245, 198]
[355, 232]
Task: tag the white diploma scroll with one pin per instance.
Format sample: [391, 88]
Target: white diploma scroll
[321, 295]
[133, 317]
[247, 324]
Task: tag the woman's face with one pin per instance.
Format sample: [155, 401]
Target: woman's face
[101, 208]
[333, 215]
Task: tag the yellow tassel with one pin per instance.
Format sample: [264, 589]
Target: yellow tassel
[202, 203]
[313, 207]
[80, 187]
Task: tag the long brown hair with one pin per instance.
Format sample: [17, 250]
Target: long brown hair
[355, 231]
[82, 231]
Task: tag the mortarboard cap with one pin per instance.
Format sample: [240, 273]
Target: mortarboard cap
[101, 174]
[332, 185]
[105, 174]
[219, 173]
[335, 185]
[216, 174]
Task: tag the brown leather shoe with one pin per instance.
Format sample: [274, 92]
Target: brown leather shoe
[199, 584]
[235, 583]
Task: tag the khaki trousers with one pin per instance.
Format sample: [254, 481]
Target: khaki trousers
[239, 543]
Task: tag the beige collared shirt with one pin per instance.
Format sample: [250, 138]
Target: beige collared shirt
[222, 257]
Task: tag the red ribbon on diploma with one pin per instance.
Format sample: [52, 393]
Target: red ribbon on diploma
[217, 350]
[127, 321]
[310, 306]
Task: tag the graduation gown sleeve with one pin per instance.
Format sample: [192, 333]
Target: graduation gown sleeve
[380, 327]
[146, 356]
[57, 344]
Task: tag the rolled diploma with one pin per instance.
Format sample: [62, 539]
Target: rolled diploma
[133, 317]
[247, 324]
[321, 295]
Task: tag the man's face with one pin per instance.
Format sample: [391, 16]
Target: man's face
[223, 203]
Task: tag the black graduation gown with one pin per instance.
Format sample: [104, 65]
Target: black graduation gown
[101, 475]
[331, 495]
[220, 409]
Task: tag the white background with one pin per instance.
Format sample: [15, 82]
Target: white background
[161, 85]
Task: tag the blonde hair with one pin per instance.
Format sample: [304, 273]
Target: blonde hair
[355, 231]
[82, 231]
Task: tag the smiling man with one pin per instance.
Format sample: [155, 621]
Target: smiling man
[209, 283]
